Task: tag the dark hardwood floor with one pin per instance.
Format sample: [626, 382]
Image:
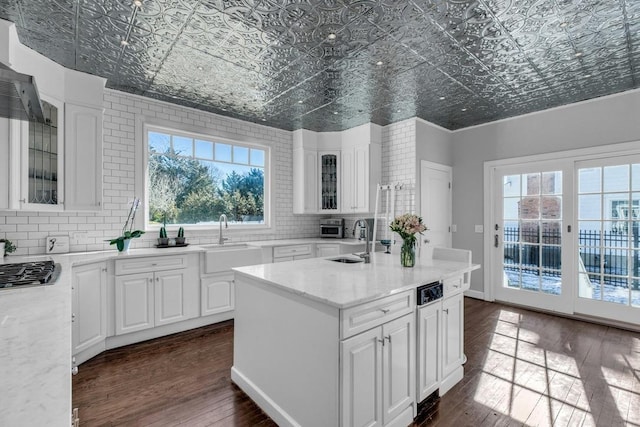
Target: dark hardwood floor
[523, 368]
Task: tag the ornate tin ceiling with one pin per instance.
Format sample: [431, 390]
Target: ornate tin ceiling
[333, 64]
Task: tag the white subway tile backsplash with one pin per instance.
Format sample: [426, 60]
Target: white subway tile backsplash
[29, 230]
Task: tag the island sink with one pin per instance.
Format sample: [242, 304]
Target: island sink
[346, 260]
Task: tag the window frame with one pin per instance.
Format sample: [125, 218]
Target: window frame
[203, 134]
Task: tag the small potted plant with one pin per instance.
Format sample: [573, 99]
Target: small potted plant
[123, 241]
[6, 247]
[180, 239]
[163, 240]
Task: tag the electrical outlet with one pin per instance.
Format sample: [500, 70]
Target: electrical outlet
[479, 228]
[78, 237]
[454, 228]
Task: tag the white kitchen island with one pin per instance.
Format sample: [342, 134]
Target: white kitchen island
[321, 343]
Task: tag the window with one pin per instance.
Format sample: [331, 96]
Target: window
[193, 179]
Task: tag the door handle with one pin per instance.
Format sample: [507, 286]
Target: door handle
[495, 241]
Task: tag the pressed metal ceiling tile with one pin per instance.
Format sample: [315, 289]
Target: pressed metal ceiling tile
[334, 64]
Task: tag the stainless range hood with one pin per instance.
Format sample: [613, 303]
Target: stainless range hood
[19, 97]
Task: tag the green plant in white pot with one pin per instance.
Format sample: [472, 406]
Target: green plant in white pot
[123, 241]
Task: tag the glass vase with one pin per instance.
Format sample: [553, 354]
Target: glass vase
[408, 253]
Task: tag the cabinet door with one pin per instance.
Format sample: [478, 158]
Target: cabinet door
[305, 181]
[360, 177]
[362, 379]
[217, 293]
[169, 297]
[330, 182]
[83, 158]
[347, 180]
[323, 250]
[134, 302]
[429, 347]
[398, 369]
[89, 305]
[452, 333]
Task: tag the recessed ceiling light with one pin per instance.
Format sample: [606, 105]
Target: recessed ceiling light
[200, 68]
[264, 120]
[300, 102]
[124, 43]
[587, 76]
[563, 24]
[464, 109]
[332, 36]
[379, 63]
[335, 112]
[137, 3]
[442, 98]
[398, 111]
[579, 54]
[224, 109]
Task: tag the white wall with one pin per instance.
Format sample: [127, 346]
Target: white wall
[603, 121]
[28, 230]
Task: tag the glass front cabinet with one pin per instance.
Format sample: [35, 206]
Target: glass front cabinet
[329, 181]
[43, 183]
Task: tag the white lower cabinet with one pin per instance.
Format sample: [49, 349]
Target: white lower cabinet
[134, 302]
[429, 349]
[378, 376]
[159, 296]
[217, 294]
[327, 249]
[452, 333]
[89, 290]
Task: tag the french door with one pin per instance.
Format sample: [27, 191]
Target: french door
[566, 236]
[531, 235]
[608, 220]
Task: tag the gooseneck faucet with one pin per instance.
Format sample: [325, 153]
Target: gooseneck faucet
[366, 255]
[226, 225]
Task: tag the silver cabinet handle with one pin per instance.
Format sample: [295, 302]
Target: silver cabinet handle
[446, 310]
[495, 241]
[381, 341]
[73, 317]
[385, 310]
[74, 370]
[388, 337]
[104, 269]
[157, 279]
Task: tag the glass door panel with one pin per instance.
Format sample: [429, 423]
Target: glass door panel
[608, 233]
[532, 231]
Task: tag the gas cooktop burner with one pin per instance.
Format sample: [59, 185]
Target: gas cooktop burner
[28, 274]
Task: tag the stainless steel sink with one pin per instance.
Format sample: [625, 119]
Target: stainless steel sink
[346, 260]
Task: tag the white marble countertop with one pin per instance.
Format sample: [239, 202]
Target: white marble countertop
[35, 352]
[345, 285]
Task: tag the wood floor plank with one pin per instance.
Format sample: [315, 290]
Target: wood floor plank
[523, 368]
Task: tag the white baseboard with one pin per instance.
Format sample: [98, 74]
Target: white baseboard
[265, 403]
[161, 331]
[474, 294]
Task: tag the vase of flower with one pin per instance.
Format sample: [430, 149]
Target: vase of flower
[408, 253]
[407, 226]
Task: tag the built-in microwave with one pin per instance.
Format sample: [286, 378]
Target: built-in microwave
[332, 228]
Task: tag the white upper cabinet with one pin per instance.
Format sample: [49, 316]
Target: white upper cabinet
[33, 166]
[83, 158]
[346, 171]
[55, 165]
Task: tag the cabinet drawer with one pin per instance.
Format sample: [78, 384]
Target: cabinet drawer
[452, 285]
[292, 250]
[143, 265]
[356, 319]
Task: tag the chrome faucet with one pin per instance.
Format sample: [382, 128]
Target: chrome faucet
[226, 225]
[366, 255]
